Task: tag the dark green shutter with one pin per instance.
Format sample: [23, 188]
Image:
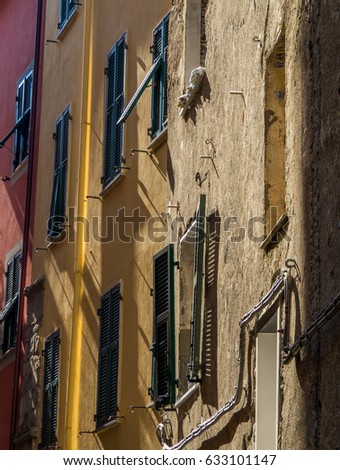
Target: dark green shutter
[159, 104]
[195, 342]
[66, 8]
[9, 280]
[56, 222]
[10, 312]
[23, 98]
[108, 356]
[50, 391]
[115, 87]
[163, 388]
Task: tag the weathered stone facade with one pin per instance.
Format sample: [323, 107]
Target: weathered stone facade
[265, 119]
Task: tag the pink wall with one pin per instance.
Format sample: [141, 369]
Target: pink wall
[18, 27]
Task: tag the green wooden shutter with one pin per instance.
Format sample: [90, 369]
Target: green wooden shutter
[56, 222]
[195, 342]
[50, 391]
[163, 388]
[115, 87]
[159, 104]
[9, 280]
[108, 360]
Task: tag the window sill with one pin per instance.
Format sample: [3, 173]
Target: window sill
[56, 240]
[8, 358]
[112, 184]
[107, 426]
[272, 238]
[67, 23]
[158, 140]
[19, 171]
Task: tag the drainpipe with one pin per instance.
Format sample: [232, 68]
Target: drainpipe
[28, 226]
[74, 379]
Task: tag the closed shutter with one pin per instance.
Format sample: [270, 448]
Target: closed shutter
[195, 342]
[56, 222]
[50, 391]
[108, 356]
[163, 388]
[115, 87]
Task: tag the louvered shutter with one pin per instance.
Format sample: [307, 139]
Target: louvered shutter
[195, 342]
[50, 391]
[165, 73]
[9, 280]
[108, 356]
[163, 388]
[27, 93]
[20, 100]
[159, 103]
[115, 87]
[64, 165]
[56, 222]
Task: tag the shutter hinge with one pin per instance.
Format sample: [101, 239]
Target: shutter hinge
[105, 71]
[121, 297]
[54, 135]
[102, 179]
[126, 47]
[95, 418]
[6, 274]
[151, 292]
[152, 49]
[59, 25]
[43, 353]
[150, 133]
[176, 263]
[98, 312]
[17, 98]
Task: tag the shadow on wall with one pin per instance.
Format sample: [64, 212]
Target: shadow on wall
[210, 339]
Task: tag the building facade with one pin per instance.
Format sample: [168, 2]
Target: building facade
[101, 187]
[19, 123]
[254, 143]
[184, 282]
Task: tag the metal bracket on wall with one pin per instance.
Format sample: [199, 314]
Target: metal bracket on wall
[212, 154]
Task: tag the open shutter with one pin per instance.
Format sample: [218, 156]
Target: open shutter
[9, 280]
[108, 356]
[27, 93]
[159, 104]
[195, 342]
[115, 87]
[114, 352]
[103, 361]
[56, 222]
[163, 388]
[50, 390]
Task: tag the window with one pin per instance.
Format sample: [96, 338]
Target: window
[108, 356]
[267, 378]
[115, 84]
[158, 75]
[163, 382]
[9, 314]
[50, 391]
[275, 130]
[56, 223]
[159, 104]
[67, 7]
[23, 111]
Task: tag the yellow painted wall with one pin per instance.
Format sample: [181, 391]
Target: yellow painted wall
[80, 271]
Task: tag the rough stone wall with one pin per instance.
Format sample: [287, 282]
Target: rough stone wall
[227, 123]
